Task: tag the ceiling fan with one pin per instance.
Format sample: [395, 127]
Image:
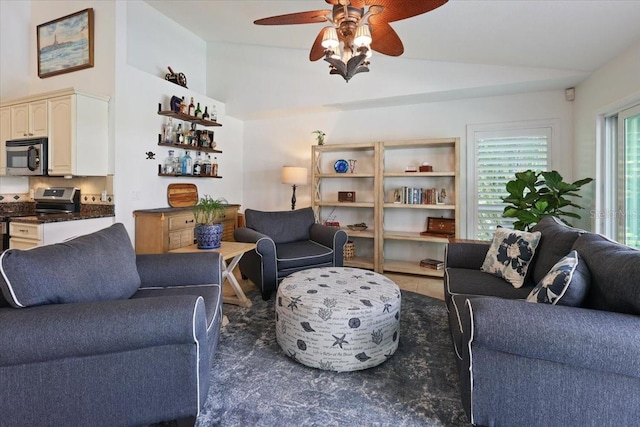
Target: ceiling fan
[353, 32]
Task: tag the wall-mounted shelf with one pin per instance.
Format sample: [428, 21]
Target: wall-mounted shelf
[188, 118]
[187, 147]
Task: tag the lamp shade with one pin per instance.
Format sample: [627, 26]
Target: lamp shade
[294, 175]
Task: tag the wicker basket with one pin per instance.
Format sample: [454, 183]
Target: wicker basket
[349, 250]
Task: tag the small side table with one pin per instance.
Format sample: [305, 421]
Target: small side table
[230, 251]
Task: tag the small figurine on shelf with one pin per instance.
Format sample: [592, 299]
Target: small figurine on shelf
[319, 136]
[352, 165]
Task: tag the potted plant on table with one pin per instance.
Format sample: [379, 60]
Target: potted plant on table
[534, 195]
[208, 229]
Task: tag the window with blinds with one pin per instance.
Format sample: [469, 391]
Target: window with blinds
[497, 156]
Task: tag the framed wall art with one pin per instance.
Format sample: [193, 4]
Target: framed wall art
[65, 44]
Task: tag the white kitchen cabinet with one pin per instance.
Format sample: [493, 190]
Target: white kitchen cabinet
[78, 135]
[24, 235]
[76, 124]
[5, 134]
[29, 120]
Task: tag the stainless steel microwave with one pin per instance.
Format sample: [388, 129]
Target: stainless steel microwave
[26, 157]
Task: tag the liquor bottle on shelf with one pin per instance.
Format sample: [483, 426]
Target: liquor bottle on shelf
[169, 135]
[206, 166]
[179, 135]
[192, 108]
[214, 114]
[205, 115]
[197, 164]
[183, 107]
[171, 164]
[186, 164]
[214, 167]
[198, 112]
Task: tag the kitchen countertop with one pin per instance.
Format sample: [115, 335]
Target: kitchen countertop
[25, 212]
[47, 218]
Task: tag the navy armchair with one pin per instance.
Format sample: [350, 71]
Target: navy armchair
[286, 242]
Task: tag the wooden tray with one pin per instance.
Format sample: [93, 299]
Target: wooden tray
[182, 195]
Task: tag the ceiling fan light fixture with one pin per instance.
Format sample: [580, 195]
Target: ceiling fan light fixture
[330, 38]
[363, 36]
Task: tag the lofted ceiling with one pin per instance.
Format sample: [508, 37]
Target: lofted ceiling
[562, 34]
[573, 35]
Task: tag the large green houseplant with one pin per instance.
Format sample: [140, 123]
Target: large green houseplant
[207, 214]
[534, 195]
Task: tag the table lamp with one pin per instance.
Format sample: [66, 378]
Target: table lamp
[294, 176]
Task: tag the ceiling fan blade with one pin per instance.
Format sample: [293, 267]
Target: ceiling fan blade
[358, 3]
[310, 17]
[317, 51]
[385, 39]
[395, 10]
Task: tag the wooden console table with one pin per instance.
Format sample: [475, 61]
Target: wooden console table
[230, 251]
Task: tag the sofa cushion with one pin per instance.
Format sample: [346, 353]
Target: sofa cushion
[565, 284]
[96, 267]
[281, 226]
[556, 241]
[510, 254]
[300, 254]
[615, 274]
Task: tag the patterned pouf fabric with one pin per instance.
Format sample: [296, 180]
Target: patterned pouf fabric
[338, 318]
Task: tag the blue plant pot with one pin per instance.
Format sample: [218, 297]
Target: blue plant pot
[208, 236]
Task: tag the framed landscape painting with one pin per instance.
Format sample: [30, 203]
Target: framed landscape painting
[65, 44]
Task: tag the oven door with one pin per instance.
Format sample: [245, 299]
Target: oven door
[26, 157]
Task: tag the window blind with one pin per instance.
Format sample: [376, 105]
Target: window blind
[497, 161]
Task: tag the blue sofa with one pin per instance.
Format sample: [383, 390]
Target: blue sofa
[286, 242]
[93, 335]
[526, 364]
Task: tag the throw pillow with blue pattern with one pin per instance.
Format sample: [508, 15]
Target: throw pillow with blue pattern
[510, 255]
[565, 284]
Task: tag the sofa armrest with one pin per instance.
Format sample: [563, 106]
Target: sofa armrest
[57, 331]
[590, 339]
[330, 237]
[179, 269]
[265, 245]
[466, 255]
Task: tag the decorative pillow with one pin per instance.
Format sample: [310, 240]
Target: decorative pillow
[96, 267]
[565, 284]
[510, 254]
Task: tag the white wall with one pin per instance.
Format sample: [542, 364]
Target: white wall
[609, 89]
[138, 93]
[272, 143]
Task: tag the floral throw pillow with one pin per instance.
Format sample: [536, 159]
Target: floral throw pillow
[510, 255]
[565, 284]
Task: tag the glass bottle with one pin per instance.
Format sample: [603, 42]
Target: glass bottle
[214, 167]
[197, 164]
[192, 108]
[169, 135]
[206, 166]
[171, 164]
[205, 115]
[214, 114]
[186, 164]
[183, 107]
[179, 134]
[198, 113]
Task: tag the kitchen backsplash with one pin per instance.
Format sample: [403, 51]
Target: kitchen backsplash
[91, 189]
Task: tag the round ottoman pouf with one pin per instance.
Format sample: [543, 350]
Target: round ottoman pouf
[338, 318]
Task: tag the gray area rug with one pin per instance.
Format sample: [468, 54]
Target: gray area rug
[255, 384]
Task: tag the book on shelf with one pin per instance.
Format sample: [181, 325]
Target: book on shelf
[432, 263]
